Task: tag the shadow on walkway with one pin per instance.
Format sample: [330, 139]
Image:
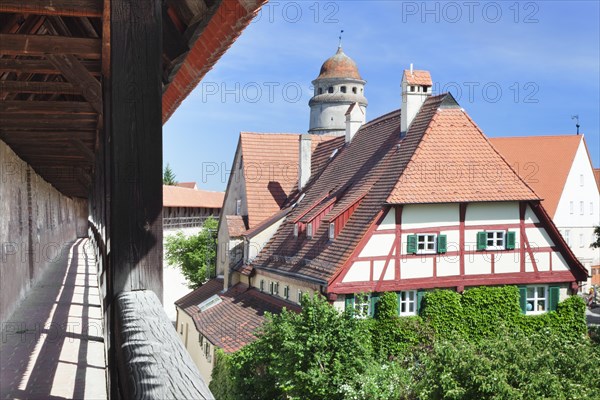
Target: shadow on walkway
[52, 346]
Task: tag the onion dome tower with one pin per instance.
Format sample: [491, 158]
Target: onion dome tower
[338, 86]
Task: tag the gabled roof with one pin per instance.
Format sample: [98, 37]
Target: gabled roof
[236, 225]
[232, 323]
[455, 162]
[597, 176]
[271, 169]
[175, 196]
[543, 162]
[418, 77]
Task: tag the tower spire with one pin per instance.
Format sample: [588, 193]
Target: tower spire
[340, 44]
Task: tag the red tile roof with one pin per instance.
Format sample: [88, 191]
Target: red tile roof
[455, 162]
[235, 225]
[230, 19]
[175, 196]
[537, 160]
[234, 322]
[188, 185]
[418, 77]
[271, 169]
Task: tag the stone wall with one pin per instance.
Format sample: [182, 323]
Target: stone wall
[36, 224]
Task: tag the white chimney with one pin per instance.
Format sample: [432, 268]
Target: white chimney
[304, 161]
[416, 88]
[355, 118]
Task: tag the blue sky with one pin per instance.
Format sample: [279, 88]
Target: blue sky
[518, 68]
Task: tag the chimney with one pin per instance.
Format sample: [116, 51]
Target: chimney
[355, 118]
[304, 160]
[416, 88]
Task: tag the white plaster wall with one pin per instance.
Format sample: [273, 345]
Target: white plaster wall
[418, 267]
[190, 337]
[576, 223]
[329, 116]
[490, 213]
[295, 285]
[448, 266]
[538, 238]
[478, 264]
[256, 243]
[389, 221]
[360, 271]
[424, 215]
[378, 245]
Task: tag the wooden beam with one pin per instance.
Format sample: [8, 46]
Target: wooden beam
[47, 122]
[134, 126]
[41, 45]
[39, 87]
[41, 66]
[46, 107]
[67, 8]
[76, 73]
[83, 149]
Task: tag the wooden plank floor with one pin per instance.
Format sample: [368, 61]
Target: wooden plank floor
[52, 346]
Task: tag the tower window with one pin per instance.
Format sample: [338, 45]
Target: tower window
[343, 89]
[354, 90]
[330, 90]
[320, 90]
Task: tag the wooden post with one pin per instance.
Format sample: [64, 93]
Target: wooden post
[134, 126]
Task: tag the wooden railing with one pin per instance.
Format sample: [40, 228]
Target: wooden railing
[184, 222]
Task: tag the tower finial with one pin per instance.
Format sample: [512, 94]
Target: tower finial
[340, 44]
[576, 118]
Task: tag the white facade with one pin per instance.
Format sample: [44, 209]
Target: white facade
[332, 97]
[578, 209]
[413, 97]
[380, 260]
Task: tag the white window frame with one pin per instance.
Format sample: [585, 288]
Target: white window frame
[296, 230]
[362, 309]
[535, 299]
[309, 230]
[286, 292]
[408, 298]
[331, 230]
[426, 242]
[261, 286]
[496, 240]
[299, 296]
[238, 207]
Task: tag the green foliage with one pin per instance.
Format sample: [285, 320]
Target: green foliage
[487, 309]
[510, 366]
[303, 356]
[380, 381]
[221, 385]
[169, 176]
[195, 255]
[596, 244]
[443, 311]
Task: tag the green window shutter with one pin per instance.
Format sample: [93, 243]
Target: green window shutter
[420, 297]
[523, 299]
[553, 297]
[350, 303]
[411, 244]
[399, 299]
[510, 240]
[374, 300]
[442, 242]
[481, 240]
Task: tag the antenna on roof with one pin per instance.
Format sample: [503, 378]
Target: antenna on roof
[340, 45]
[576, 118]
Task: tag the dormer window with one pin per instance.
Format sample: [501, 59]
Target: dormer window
[330, 90]
[332, 231]
[295, 230]
[343, 89]
[309, 231]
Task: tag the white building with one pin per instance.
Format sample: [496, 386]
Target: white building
[560, 170]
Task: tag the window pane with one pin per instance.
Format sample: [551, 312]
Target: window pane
[402, 307]
[490, 235]
[530, 305]
[500, 235]
[430, 238]
[541, 292]
[541, 305]
[411, 295]
[411, 307]
[530, 292]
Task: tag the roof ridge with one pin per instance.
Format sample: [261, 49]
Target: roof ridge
[561, 136]
[382, 118]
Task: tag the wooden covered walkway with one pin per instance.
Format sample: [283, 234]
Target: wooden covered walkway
[53, 347]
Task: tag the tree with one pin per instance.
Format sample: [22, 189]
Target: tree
[169, 176]
[596, 244]
[195, 255]
[312, 355]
